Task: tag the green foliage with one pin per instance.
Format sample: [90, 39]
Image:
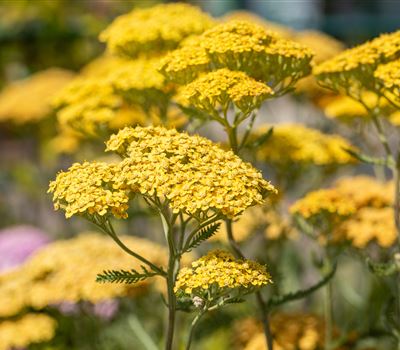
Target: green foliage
[123, 276]
[263, 138]
[202, 236]
[368, 159]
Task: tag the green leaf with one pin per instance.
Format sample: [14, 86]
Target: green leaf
[261, 139]
[124, 276]
[302, 293]
[202, 236]
[382, 269]
[368, 159]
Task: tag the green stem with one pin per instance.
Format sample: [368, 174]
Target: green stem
[192, 328]
[328, 315]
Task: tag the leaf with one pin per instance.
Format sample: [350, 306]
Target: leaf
[202, 236]
[261, 139]
[367, 159]
[382, 269]
[124, 276]
[234, 301]
[302, 293]
[193, 113]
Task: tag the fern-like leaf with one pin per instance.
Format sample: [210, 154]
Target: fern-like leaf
[261, 139]
[202, 236]
[124, 276]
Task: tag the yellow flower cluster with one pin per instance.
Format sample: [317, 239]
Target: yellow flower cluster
[66, 271]
[389, 75]
[295, 143]
[291, 331]
[329, 202]
[219, 269]
[354, 68]
[29, 100]
[26, 330]
[88, 188]
[154, 30]
[191, 172]
[359, 210]
[241, 46]
[222, 87]
[367, 225]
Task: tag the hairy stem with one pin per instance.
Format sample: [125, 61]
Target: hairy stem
[192, 328]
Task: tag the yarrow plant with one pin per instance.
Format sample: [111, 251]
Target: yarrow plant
[191, 182]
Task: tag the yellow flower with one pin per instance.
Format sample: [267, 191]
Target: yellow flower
[302, 331]
[220, 88]
[388, 75]
[353, 69]
[26, 330]
[190, 171]
[88, 188]
[297, 144]
[66, 270]
[29, 100]
[219, 269]
[154, 30]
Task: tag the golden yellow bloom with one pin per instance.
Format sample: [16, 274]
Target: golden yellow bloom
[66, 270]
[278, 29]
[327, 202]
[190, 171]
[369, 224]
[154, 30]
[219, 269]
[290, 331]
[366, 191]
[354, 68]
[29, 100]
[388, 75]
[218, 89]
[26, 330]
[295, 143]
[88, 188]
[241, 46]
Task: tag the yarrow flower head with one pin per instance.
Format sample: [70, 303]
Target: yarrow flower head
[353, 70]
[219, 88]
[241, 46]
[154, 30]
[219, 273]
[191, 172]
[389, 76]
[28, 329]
[65, 271]
[89, 188]
[29, 100]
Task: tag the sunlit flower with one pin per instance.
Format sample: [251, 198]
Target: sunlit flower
[220, 270]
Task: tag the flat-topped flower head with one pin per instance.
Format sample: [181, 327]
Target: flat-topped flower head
[29, 100]
[219, 273]
[241, 46]
[389, 76]
[154, 30]
[66, 271]
[353, 69]
[88, 188]
[368, 225]
[191, 172]
[218, 89]
[298, 144]
[31, 328]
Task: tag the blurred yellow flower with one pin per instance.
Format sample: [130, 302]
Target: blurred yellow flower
[29, 100]
[66, 271]
[154, 30]
[298, 144]
[26, 330]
